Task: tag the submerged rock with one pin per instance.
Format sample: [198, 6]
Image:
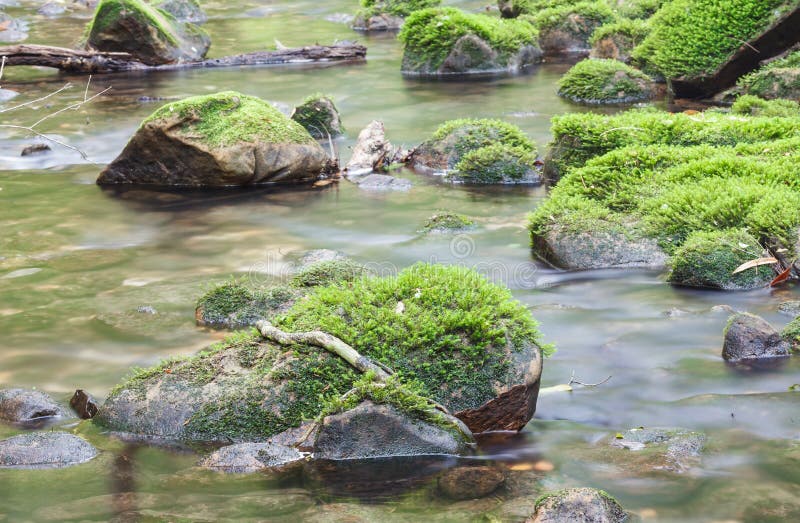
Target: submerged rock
[44, 450]
[373, 431]
[218, 140]
[23, 406]
[470, 482]
[372, 151]
[319, 116]
[445, 41]
[605, 82]
[83, 404]
[749, 337]
[150, 35]
[381, 182]
[34, 149]
[584, 505]
[244, 458]
[183, 10]
[669, 449]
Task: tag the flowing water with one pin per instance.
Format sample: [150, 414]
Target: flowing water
[77, 263]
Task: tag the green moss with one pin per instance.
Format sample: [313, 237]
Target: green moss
[395, 7]
[708, 259]
[109, 11]
[791, 333]
[777, 79]
[604, 82]
[750, 105]
[229, 117]
[693, 37]
[633, 30]
[457, 332]
[574, 214]
[563, 18]
[498, 163]
[329, 272]
[447, 222]
[429, 35]
[319, 116]
[466, 135]
[638, 9]
[233, 304]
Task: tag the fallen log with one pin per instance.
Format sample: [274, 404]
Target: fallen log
[781, 35]
[97, 62]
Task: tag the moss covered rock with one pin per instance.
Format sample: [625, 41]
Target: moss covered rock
[708, 260]
[447, 222]
[319, 116]
[777, 79]
[579, 504]
[460, 341]
[443, 41]
[217, 140]
[791, 334]
[750, 105]
[472, 144]
[567, 28]
[618, 39]
[605, 82]
[387, 15]
[183, 10]
[147, 33]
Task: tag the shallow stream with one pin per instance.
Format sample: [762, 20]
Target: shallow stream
[76, 262]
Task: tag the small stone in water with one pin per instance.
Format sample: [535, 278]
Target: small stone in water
[146, 309]
[83, 404]
[36, 148]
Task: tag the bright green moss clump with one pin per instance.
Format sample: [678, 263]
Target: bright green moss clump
[693, 37]
[578, 20]
[750, 105]
[498, 163]
[395, 7]
[778, 79]
[638, 9]
[447, 222]
[791, 333]
[108, 12]
[708, 259]
[466, 135]
[329, 272]
[604, 82]
[455, 335]
[430, 35]
[234, 304]
[229, 117]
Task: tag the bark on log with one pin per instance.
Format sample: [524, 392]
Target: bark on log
[782, 35]
[95, 62]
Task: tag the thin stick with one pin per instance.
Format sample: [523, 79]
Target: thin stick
[43, 98]
[42, 135]
[576, 382]
[73, 106]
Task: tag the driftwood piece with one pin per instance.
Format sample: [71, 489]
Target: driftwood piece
[96, 62]
[782, 35]
[326, 341]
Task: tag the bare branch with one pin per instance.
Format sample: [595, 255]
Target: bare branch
[43, 98]
[48, 138]
[75, 106]
[572, 381]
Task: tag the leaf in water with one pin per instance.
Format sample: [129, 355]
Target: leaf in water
[781, 278]
[755, 263]
[5, 24]
[795, 388]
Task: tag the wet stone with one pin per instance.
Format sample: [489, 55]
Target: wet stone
[246, 458]
[470, 482]
[83, 404]
[749, 337]
[45, 450]
[580, 505]
[22, 406]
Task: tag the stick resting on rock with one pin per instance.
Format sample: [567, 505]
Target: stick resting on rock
[326, 341]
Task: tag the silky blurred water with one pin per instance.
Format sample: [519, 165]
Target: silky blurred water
[76, 262]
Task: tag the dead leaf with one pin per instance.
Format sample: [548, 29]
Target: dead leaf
[755, 263]
[322, 183]
[543, 466]
[5, 24]
[781, 278]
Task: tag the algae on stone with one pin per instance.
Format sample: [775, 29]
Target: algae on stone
[445, 222]
[499, 163]
[319, 116]
[602, 81]
[616, 40]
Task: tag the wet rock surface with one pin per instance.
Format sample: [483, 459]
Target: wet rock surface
[470, 482]
[45, 450]
[23, 406]
[377, 22]
[668, 449]
[245, 458]
[371, 152]
[319, 116]
[84, 405]
[381, 182]
[581, 505]
[749, 337]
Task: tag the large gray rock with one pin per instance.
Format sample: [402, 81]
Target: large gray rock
[375, 431]
[749, 337]
[579, 505]
[381, 182]
[377, 22]
[219, 140]
[21, 406]
[45, 450]
[244, 458]
[150, 35]
[372, 151]
[319, 116]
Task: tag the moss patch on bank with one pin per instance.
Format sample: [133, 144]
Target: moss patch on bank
[230, 117]
[777, 79]
[750, 105]
[601, 81]
[579, 19]
[395, 7]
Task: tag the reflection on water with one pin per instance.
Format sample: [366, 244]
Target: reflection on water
[82, 270]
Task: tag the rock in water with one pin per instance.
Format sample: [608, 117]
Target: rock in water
[319, 116]
[218, 140]
[605, 82]
[83, 404]
[21, 406]
[372, 150]
[183, 10]
[470, 482]
[375, 431]
[750, 337]
[150, 35]
[580, 505]
[245, 458]
[44, 450]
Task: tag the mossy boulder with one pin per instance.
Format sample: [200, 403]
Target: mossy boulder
[578, 504]
[183, 10]
[444, 41]
[477, 150]
[605, 82]
[711, 206]
[748, 337]
[319, 116]
[791, 334]
[217, 140]
[709, 259]
[777, 79]
[691, 38]
[617, 40]
[147, 33]
[387, 15]
[447, 222]
[459, 340]
[568, 28]
[637, 9]
[750, 105]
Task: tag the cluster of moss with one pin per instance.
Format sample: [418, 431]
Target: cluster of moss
[750, 105]
[456, 334]
[601, 81]
[394, 7]
[625, 34]
[109, 11]
[777, 79]
[498, 163]
[467, 135]
[429, 35]
[644, 168]
[329, 272]
[230, 117]
[791, 333]
[580, 19]
[638, 9]
[692, 37]
[447, 222]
